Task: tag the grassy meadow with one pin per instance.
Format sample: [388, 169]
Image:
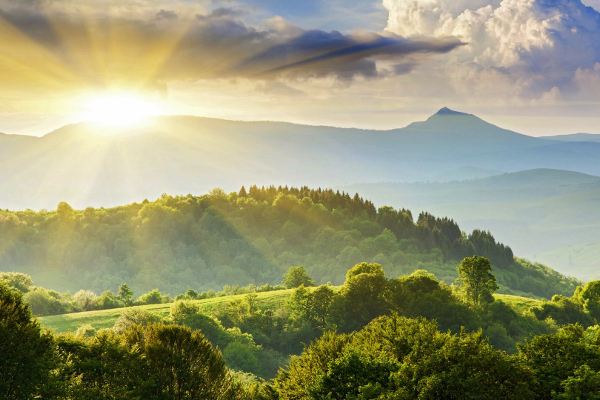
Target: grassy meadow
[101, 319]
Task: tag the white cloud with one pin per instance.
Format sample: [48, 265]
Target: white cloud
[536, 47]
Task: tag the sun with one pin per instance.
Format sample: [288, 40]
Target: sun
[120, 109]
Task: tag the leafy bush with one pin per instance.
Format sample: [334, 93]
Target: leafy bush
[135, 316]
[46, 302]
[152, 297]
[180, 309]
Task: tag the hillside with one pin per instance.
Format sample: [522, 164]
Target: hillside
[206, 242]
[542, 213]
[87, 164]
[102, 319]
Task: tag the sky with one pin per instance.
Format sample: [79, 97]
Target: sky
[528, 65]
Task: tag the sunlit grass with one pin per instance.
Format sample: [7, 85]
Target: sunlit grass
[106, 318]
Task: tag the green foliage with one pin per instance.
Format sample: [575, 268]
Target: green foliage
[396, 357]
[125, 295]
[49, 302]
[322, 299]
[350, 375]
[564, 363]
[183, 364]
[476, 279]
[85, 299]
[156, 362]
[207, 242]
[297, 276]
[106, 301]
[241, 357]
[583, 384]
[362, 296]
[135, 316]
[17, 280]
[563, 310]
[181, 309]
[26, 354]
[86, 330]
[152, 297]
[590, 297]
[100, 367]
[424, 342]
[301, 304]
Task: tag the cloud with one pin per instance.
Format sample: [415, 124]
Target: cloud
[278, 89]
[225, 12]
[166, 14]
[534, 46]
[62, 46]
[318, 53]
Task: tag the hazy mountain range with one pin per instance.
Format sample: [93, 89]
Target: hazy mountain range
[546, 215]
[89, 164]
[537, 212]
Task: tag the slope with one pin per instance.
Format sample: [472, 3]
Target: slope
[540, 212]
[102, 319]
[177, 243]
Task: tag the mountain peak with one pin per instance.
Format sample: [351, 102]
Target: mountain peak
[447, 111]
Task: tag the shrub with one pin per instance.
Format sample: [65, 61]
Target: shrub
[135, 316]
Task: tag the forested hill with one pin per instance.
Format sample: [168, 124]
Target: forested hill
[206, 242]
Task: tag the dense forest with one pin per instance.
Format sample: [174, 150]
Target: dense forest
[250, 237]
[412, 337]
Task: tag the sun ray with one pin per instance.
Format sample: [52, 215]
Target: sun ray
[119, 109]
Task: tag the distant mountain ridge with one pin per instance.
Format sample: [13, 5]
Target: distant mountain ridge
[546, 215]
[576, 137]
[87, 164]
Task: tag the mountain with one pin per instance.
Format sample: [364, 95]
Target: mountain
[547, 215]
[86, 164]
[576, 137]
[463, 174]
[13, 144]
[252, 237]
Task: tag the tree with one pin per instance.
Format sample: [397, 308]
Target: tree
[181, 309]
[297, 276]
[322, 298]
[125, 295]
[560, 362]
[65, 211]
[590, 296]
[135, 316]
[85, 299]
[362, 296]
[301, 304]
[21, 282]
[182, 364]
[100, 367]
[476, 278]
[152, 297]
[26, 354]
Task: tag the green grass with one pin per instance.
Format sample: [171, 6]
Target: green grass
[520, 304]
[106, 318]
